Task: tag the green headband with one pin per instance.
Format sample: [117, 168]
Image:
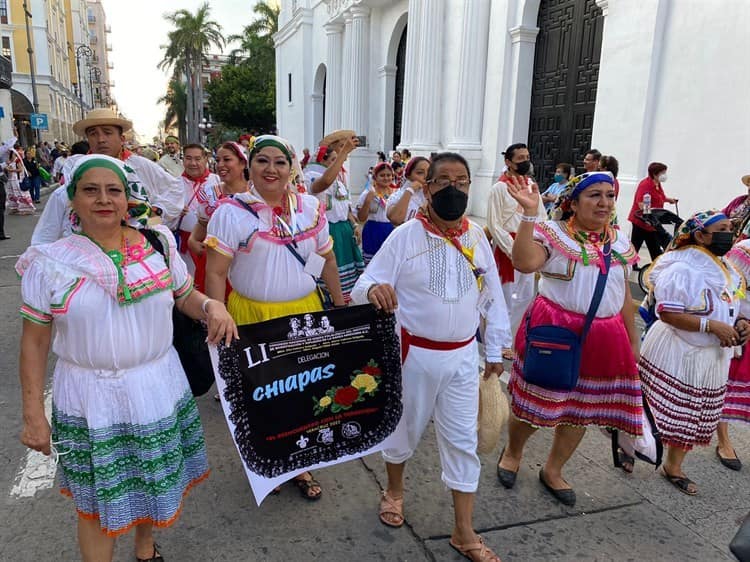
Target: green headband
[264, 142]
[172, 138]
[96, 163]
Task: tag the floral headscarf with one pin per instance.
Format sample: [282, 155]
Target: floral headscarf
[573, 189]
[696, 222]
[139, 208]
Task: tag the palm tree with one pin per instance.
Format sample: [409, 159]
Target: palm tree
[189, 43]
[261, 30]
[176, 101]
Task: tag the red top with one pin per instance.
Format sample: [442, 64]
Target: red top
[658, 198]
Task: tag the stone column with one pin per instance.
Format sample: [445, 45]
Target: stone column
[334, 71]
[346, 71]
[359, 69]
[422, 103]
[472, 71]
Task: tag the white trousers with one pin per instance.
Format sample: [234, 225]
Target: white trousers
[518, 295]
[443, 385]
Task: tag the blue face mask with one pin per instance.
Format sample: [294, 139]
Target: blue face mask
[559, 178]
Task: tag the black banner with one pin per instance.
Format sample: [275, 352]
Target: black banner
[312, 388]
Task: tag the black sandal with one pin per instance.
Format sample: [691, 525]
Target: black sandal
[625, 461]
[682, 483]
[157, 557]
[305, 486]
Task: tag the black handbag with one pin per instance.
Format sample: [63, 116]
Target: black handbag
[189, 337]
[553, 353]
[25, 184]
[740, 545]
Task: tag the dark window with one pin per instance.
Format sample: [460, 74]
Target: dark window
[290, 87]
[3, 11]
[6, 49]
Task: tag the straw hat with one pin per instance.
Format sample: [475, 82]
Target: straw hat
[746, 180]
[101, 116]
[336, 136]
[493, 414]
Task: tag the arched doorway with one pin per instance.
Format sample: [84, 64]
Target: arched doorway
[319, 104]
[563, 94]
[398, 102]
[22, 110]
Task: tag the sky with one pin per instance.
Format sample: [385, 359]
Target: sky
[138, 31]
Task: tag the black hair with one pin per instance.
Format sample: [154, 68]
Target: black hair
[441, 157]
[610, 164]
[511, 150]
[595, 153]
[566, 168]
[80, 147]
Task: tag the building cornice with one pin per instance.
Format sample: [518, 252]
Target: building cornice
[523, 34]
[302, 16]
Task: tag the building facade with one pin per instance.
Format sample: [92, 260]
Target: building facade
[632, 79]
[100, 83]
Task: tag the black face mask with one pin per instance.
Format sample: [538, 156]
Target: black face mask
[449, 203]
[721, 243]
[523, 168]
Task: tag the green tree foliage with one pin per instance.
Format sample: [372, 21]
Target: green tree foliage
[176, 102]
[189, 42]
[245, 95]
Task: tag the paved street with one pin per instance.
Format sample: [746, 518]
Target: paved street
[618, 517]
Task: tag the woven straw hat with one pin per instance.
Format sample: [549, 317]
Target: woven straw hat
[746, 180]
[336, 136]
[493, 413]
[101, 116]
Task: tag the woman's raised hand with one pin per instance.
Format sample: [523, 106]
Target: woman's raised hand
[526, 195]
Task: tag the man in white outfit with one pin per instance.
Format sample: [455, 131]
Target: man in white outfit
[438, 274]
[503, 218]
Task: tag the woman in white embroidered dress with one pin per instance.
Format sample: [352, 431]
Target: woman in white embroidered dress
[404, 204]
[19, 202]
[124, 422]
[371, 211]
[685, 355]
[248, 237]
[569, 254]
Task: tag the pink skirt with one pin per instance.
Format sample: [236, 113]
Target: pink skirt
[737, 401]
[608, 393]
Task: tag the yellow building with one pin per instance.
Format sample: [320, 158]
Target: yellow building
[58, 30]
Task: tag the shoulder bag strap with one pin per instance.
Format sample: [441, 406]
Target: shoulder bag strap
[601, 281]
[288, 246]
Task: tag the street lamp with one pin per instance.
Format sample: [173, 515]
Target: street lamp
[95, 77]
[205, 126]
[82, 51]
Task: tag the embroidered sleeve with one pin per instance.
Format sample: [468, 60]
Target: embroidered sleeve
[223, 233]
[678, 293]
[324, 242]
[36, 294]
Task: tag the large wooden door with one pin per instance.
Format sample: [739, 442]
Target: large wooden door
[566, 69]
[398, 105]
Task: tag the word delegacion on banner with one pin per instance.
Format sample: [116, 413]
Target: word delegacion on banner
[311, 390]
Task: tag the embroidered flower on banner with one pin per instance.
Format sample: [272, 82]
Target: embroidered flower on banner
[364, 383]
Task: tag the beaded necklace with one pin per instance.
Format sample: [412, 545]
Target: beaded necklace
[118, 258]
[597, 239]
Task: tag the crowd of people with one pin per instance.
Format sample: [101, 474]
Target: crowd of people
[125, 238]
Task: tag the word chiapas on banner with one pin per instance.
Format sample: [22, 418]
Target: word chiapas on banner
[310, 389]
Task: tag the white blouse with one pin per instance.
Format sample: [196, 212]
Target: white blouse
[417, 200]
[263, 269]
[200, 200]
[438, 295]
[74, 284]
[566, 281]
[691, 280]
[377, 207]
[335, 198]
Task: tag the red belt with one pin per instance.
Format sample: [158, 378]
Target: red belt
[407, 340]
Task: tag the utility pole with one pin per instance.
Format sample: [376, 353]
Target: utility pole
[30, 50]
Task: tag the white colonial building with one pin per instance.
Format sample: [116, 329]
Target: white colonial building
[643, 80]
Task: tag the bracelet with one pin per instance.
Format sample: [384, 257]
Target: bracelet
[204, 305]
[704, 326]
[528, 218]
[410, 190]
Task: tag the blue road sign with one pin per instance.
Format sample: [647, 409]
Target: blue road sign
[39, 121]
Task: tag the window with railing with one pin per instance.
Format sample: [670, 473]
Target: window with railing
[3, 11]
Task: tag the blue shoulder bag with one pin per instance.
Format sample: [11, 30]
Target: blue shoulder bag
[553, 353]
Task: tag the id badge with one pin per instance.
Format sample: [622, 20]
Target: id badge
[314, 265]
[484, 303]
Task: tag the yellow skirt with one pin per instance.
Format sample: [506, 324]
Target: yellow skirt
[247, 311]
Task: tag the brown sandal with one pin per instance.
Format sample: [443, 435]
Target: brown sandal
[393, 507]
[305, 486]
[465, 550]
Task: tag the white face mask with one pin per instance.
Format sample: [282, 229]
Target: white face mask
[662, 178]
